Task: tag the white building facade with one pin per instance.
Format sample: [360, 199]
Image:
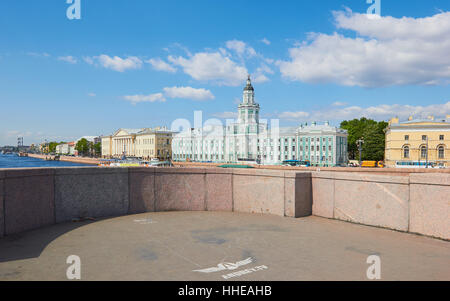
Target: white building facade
[250, 140]
[145, 143]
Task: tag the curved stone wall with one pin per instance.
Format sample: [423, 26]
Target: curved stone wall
[37, 197]
[33, 198]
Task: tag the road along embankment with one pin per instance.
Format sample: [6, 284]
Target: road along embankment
[81, 160]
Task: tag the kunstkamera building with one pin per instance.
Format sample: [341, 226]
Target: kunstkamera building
[249, 140]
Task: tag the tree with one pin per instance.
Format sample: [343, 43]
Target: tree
[374, 138]
[97, 148]
[52, 146]
[83, 147]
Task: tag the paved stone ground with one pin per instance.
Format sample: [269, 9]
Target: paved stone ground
[171, 245]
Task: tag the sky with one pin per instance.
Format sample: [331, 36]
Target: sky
[146, 63]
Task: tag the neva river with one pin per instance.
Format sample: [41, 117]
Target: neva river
[14, 161]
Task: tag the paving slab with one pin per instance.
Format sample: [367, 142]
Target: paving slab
[211, 246]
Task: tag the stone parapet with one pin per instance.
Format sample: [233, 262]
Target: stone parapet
[36, 197]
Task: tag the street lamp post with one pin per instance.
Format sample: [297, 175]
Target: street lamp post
[360, 142]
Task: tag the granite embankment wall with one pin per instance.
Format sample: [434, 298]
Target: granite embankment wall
[417, 203]
[33, 198]
[37, 197]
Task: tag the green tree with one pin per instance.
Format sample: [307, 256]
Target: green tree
[374, 138]
[83, 147]
[52, 146]
[97, 148]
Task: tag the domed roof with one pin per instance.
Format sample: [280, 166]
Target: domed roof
[249, 86]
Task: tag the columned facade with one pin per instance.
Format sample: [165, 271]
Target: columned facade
[249, 140]
[140, 143]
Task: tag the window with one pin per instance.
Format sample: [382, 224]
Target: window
[441, 137]
[423, 152]
[406, 152]
[441, 152]
[406, 137]
[293, 148]
[424, 137]
[318, 148]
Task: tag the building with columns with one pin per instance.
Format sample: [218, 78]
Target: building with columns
[143, 143]
[416, 142]
[248, 139]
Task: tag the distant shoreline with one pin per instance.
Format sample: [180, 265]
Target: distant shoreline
[81, 160]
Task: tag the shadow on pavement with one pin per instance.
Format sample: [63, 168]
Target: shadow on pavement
[30, 244]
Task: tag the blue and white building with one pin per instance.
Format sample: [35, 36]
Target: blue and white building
[248, 139]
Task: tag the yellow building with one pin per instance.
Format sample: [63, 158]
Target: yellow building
[415, 142]
[140, 143]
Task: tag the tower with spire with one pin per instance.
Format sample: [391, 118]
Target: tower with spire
[248, 110]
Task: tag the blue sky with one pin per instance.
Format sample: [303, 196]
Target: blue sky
[142, 63]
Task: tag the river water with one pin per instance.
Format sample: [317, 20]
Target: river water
[14, 161]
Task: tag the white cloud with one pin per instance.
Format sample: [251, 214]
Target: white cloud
[293, 115]
[265, 41]
[339, 104]
[88, 60]
[37, 54]
[134, 99]
[260, 78]
[389, 51]
[380, 112]
[260, 75]
[188, 93]
[241, 48]
[68, 59]
[212, 66]
[92, 94]
[433, 28]
[115, 63]
[160, 65]
[172, 92]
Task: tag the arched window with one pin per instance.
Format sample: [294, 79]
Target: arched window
[406, 152]
[423, 152]
[441, 152]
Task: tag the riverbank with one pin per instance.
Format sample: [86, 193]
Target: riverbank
[380, 171]
[81, 160]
